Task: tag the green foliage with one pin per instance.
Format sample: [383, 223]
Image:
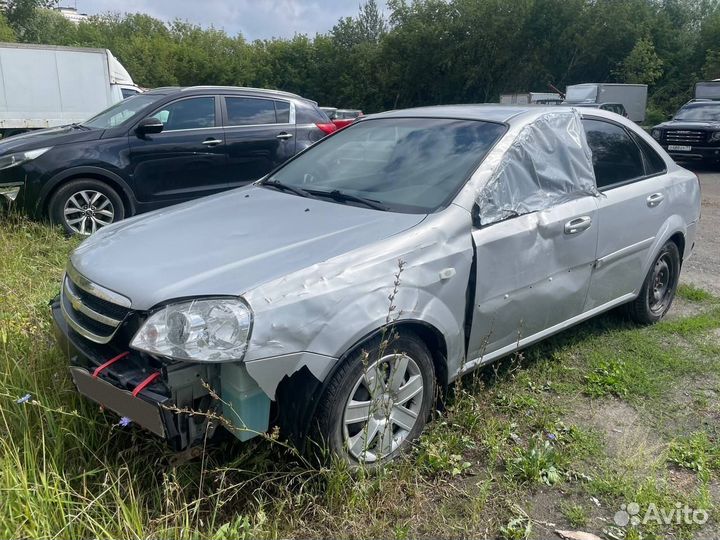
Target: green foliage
[610, 377]
[696, 452]
[576, 514]
[539, 463]
[642, 65]
[427, 51]
[518, 528]
[693, 293]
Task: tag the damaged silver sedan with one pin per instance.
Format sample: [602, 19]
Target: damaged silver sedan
[336, 296]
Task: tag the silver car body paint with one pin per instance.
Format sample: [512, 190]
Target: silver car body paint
[318, 274]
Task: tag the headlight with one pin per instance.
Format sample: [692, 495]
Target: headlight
[13, 160]
[714, 136]
[655, 134]
[206, 330]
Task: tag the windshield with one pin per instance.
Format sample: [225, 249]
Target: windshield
[121, 111]
[413, 165]
[704, 112]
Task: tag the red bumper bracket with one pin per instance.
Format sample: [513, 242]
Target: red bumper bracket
[109, 363]
[140, 387]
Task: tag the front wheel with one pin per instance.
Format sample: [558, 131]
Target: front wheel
[378, 401]
[658, 290]
[85, 206]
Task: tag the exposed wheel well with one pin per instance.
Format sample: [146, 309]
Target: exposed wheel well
[129, 206]
[679, 240]
[435, 343]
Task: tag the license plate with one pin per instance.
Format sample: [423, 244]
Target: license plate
[679, 148]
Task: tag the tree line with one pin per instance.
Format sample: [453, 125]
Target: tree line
[423, 52]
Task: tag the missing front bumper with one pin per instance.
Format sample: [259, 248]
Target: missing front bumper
[121, 402]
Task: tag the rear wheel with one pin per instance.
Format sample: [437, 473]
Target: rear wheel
[85, 206]
[658, 290]
[378, 401]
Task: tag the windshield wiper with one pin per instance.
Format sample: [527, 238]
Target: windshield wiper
[341, 196]
[286, 187]
[77, 125]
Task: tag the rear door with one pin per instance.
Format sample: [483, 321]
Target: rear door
[633, 181]
[187, 159]
[259, 134]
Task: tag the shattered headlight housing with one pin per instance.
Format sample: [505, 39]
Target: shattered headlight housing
[18, 158]
[201, 330]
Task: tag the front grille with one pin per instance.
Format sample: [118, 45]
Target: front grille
[92, 311]
[685, 136]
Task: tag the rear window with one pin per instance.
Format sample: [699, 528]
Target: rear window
[307, 113]
[654, 164]
[282, 112]
[243, 111]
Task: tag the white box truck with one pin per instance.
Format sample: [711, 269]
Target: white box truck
[632, 96]
[45, 86]
[708, 89]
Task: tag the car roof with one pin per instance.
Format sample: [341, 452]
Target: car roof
[165, 90]
[488, 112]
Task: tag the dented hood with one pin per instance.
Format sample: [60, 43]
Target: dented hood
[227, 244]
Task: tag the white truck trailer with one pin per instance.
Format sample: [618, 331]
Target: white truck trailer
[632, 96]
[45, 86]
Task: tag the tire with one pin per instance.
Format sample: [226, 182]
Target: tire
[397, 414]
[85, 205]
[658, 290]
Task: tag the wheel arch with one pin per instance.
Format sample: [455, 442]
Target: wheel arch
[95, 173]
[298, 415]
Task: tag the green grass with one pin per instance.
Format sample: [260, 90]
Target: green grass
[693, 294]
[510, 435]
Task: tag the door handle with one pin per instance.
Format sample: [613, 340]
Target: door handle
[578, 225]
[212, 142]
[284, 135]
[655, 199]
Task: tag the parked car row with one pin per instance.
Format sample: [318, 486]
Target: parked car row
[347, 287]
[155, 149]
[342, 117]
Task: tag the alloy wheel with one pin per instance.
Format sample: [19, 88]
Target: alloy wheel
[87, 211]
[383, 407]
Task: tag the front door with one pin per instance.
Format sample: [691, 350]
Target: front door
[632, 210]
[533, 272]
[260, 135]
[187, 159]
[535, 236]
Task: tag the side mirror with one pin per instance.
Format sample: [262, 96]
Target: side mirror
[149, 126]
[476, 218]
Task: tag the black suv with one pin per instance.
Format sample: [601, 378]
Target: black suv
[155, 149]
[693, 133]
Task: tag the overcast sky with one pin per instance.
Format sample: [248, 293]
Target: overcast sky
[254, 19]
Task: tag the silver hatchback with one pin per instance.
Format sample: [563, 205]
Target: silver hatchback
[336, 296]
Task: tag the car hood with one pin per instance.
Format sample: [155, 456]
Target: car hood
[683, 124]
[227, 244]
[47, 137]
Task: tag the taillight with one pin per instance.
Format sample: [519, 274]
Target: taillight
[327, 127]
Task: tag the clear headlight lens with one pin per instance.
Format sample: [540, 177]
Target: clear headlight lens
[204, 330]
[715, 136]
[655, 134]
[13, 160]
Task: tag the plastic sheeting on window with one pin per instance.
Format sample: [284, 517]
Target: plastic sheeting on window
[548, 163]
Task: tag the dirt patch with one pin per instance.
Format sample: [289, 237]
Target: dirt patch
[628, 440]
[682, 308]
